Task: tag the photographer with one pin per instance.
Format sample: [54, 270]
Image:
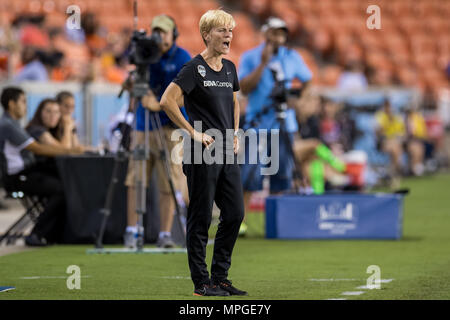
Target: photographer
[161, 74]
[260, 69]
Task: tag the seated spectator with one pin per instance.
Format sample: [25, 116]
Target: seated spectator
[309, 132]
[66, 102]
[33, 67]
[76, 54]
[353, 77]
[308, 119]
[390, 133]
[92, 30]
[24, 173]
[349, 131]
[32, 32]
[330, 130]
[45, 126]
[39, 65]
[416, 131]
[437, 153]
[310, 151]
[337, 127]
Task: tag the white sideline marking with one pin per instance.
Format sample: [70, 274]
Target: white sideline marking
[175, 277]
[48, 277]
[365, 287]
[334, 279]
[331, 279]
[386, 280]
[352, 293]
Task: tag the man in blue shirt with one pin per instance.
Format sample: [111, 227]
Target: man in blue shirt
[259, 69]
[161, 74]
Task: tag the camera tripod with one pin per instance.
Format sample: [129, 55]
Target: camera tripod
[140, 154]
[280, 112]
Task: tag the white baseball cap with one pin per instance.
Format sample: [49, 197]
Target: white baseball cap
[274, 23]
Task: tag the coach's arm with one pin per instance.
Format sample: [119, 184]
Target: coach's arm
[169, 104]
[149, 101]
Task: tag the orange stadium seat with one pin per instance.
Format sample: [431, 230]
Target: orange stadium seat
[413, 43]
[310, 62]
[61, 5]
[401, 58]
[304, 8]
[422, 43]
[310, 23]
[55, 19]
[329, 75]
[322, 6]
[259, 8]
[49, 7]
[346, 6]
[407, 76]
[20, 6]
[321, 40]
[370, 40]
[5, 18]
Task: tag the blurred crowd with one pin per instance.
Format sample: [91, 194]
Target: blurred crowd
[31, 50]
[332, 38]
[340, 52]
[412, 139]
[319, 48]
[338, 41]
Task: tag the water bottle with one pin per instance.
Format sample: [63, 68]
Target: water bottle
[115, 141]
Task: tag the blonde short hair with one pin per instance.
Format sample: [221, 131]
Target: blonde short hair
[215, 18]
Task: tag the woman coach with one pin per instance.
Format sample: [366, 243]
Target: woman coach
[208, 83]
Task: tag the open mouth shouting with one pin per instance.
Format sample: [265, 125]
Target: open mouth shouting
[226, 44]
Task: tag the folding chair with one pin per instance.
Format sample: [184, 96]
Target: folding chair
[33, 206]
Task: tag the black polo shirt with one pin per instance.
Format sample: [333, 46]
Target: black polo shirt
[208, 94]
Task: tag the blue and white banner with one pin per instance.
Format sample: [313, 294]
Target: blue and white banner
[343, 216]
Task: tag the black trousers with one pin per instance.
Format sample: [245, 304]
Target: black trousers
[43, 181]
[208, 183]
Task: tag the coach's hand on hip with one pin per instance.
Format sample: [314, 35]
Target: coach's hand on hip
[205, 139]
[236, 144]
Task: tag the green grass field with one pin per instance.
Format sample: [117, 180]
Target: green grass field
[419, 264]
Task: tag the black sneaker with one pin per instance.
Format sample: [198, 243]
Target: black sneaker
[227, 286]
[33, 240]
[210, 290]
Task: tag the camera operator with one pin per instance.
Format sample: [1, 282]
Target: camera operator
[161, 74]
[260, 70]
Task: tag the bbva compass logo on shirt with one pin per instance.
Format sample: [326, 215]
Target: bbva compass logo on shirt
[201, 69]
[337, 217]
